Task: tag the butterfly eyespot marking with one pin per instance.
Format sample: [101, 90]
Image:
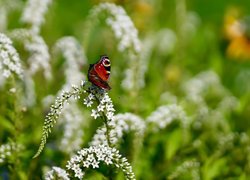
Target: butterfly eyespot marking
[106, 62]
[98, 73]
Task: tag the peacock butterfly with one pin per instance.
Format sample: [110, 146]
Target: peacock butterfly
[98, 73]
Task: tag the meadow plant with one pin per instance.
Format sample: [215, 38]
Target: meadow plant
[74, 57]
[128, 41]
[190, 166]
[33, 14]
[72, 121]
[8, 151]
[122, 123]
[57, 173]
[10, 62]
[103, 152]
[94, 155]
[164, 115]
[196, 128]
[39, 57]
[55, 111]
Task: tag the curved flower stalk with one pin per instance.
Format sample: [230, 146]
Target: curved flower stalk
[10, 62]
[92, 157]
[72, 121]
[7, 150]
[34, 12]
[39, 53]
[164, 115]
[126, 34]
[191, 167]
[104, 109]
[75, 58]
[121, 25]
[55, 111]
[123, 123]
[57, 173]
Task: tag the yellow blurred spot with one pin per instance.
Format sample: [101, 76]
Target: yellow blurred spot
[142, 12]
[239, 48]
[239, 43]
[173, 74]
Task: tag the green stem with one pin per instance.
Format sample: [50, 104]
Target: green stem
[104, 117]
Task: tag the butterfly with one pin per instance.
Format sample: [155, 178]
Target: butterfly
[98, 73]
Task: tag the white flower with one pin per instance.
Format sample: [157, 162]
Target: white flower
[100, 107]
[57, 172]
[95, 164]
[88, 102]
[95, 114]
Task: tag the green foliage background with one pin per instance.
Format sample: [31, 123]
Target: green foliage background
[165, 150]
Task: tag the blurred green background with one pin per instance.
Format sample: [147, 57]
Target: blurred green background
[185, 42]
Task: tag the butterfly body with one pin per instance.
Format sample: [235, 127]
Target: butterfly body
[98, 73]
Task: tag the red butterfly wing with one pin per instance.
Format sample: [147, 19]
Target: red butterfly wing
[99, 73]
[102, 68]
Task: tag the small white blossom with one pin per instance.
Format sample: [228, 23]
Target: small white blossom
[95, 114]
[57, 172]
[87, 102]
[95, 155]
[100, 107]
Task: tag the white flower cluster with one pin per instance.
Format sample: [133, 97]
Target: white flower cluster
[190, 166]
[9, 59]
[121, 25]
[72, 120]
[91, 158]
[40, 56]
[201, 84]
[39, 53]
[75, 58]
[164, 115]
[105, 105]
[122, 123]
[57, 173]
[34, 12]
[6, 151]
[207, 84]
